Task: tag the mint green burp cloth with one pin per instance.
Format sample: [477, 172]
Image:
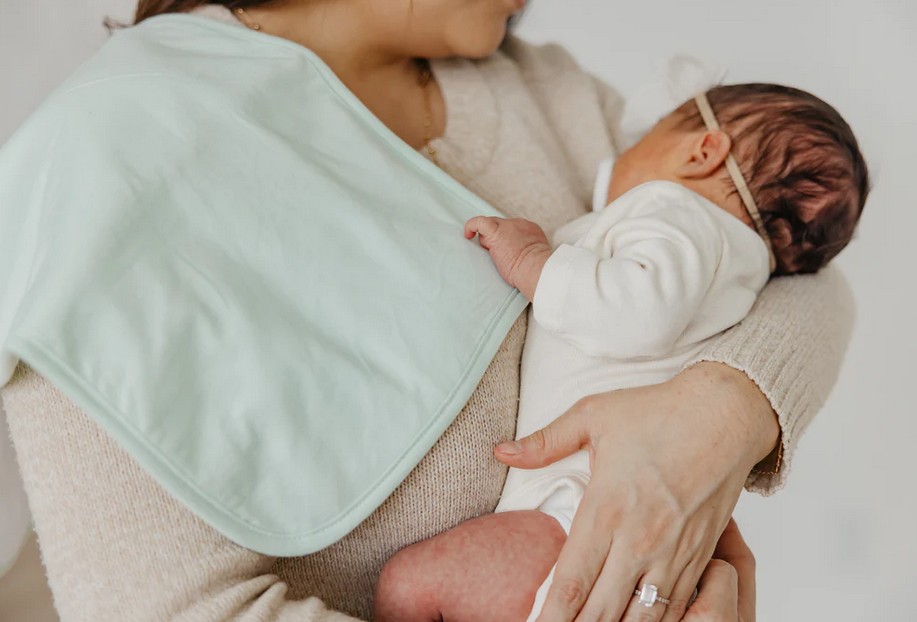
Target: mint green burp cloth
[213, 248]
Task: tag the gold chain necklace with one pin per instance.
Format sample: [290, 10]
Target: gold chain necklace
[245, 19]
[425, 76]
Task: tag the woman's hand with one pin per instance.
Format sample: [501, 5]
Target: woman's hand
[727, 587]
[668, 465]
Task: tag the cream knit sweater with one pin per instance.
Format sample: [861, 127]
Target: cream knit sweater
[525, 131]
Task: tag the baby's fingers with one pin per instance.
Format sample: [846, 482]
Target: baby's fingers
[484, 225]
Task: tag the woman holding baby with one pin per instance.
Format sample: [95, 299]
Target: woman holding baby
[524, 128]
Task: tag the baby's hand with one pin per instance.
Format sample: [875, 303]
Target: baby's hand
[518, 247]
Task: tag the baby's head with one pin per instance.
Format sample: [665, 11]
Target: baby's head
[799, 157]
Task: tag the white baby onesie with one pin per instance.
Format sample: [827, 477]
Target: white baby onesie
[632, 292]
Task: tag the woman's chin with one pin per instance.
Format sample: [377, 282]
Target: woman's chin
[481, 44]
[477, 42]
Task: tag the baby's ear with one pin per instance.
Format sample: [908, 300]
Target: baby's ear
[706, 153]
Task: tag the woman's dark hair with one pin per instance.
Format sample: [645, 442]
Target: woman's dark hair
[803, 165]
[151, 8]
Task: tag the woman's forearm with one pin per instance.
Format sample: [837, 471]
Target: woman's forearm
[791, 347]
[752, 423]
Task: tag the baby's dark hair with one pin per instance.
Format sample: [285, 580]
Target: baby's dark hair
[802, 164]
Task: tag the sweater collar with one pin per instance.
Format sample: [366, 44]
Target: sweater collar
[468, 143]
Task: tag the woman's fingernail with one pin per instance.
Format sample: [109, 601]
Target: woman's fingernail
[511, 447]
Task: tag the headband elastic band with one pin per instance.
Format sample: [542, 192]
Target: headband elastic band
[706, 111]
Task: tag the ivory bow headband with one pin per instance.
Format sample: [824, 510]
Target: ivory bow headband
[706, 111]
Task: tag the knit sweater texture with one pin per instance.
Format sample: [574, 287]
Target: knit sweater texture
[525, 131]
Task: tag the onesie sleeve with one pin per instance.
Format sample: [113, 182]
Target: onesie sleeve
[638, 301]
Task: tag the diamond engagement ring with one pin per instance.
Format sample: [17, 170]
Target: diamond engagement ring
[649, 596]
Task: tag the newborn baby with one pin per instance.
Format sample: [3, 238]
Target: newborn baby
[687, 227]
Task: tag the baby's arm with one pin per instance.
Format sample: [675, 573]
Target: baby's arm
[488, 568]
[518, 247]
[636, 302]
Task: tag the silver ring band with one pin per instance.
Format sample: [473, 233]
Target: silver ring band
[649, 596]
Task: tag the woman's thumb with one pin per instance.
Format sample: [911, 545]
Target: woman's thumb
[562, 438]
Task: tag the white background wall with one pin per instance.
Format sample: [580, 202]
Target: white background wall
[840, 542]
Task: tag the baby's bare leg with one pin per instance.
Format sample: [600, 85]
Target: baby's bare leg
[486, 569]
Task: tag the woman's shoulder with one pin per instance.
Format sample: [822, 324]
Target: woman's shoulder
[584, 113]
[539, 59]
[544, 69]
[517, 59]
[569, 94]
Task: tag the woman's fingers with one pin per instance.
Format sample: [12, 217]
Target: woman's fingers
[682, 593]
[563, 437]
[726, 591]
[717, 597]
[638, 612]
[615, 599]
[586, 549]
[581, 560]
[733, 549]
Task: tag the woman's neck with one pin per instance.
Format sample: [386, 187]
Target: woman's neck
[366, 50]
[340, 33]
